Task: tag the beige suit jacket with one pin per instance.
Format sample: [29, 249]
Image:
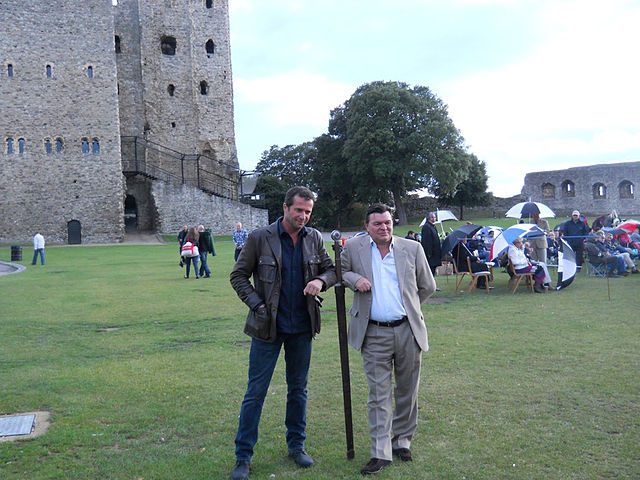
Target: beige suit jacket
[414, 278]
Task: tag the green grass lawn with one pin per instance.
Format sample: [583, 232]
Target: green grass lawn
[144, 371]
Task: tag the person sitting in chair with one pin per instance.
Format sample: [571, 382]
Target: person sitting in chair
[522, 264]
[460, 254]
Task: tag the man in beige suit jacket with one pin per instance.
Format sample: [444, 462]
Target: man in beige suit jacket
[391, 278]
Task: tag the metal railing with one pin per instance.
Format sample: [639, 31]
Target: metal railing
[155, 161]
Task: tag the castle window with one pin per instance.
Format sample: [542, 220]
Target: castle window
[599, 191]
[9, 145]
[90, 71]
[10, 70]
[59, 145]
[548, 190]
[568, 188]
[95, 146]
[208, 3]
[21, 146]
[47, 146]
[48, 68]
[173, 124]
[210, 46]
[626, 189]
[168, 45]
[117, 44]
[85, 145]
[171, 89]
[203, 87]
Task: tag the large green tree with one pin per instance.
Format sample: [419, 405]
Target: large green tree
[397, 139]
[472, 191]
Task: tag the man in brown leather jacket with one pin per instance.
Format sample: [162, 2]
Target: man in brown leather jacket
[289, 266]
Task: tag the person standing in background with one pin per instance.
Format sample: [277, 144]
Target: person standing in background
[38, 248]
[239, 239]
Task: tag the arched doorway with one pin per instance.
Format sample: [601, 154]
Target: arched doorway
[74, 232]
[130, 214]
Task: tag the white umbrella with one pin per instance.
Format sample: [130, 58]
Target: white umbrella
[526, 209]
[441, 216]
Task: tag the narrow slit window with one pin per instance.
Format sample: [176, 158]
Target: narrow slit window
[9, 146]
[90, 71]
[48, 69]
[59, 145]
[21, 143]
[95, 146]
[85, 145]
[47, 146]
[209, 3]
[171, 89]
[204, 87]
[10, 70]
[168, 45]
[118, 47]
[210, 47]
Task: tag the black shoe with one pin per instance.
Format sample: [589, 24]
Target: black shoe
[624, 274]
[186, 276]
[438, 290]
[302, 458]
[538, 288]
[484, 287]
[181, 264]
[241, 470]
[403, 454]
[375, 465]
[635, 270]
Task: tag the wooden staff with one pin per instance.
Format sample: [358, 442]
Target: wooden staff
[342, 340]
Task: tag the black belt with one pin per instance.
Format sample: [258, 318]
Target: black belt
[394, 323]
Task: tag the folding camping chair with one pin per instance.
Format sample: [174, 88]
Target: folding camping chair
[516, 278]
[488, 276]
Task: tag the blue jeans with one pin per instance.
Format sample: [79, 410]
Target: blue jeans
[204, 268]
[35, 256]
[194, 260]
[262, 361]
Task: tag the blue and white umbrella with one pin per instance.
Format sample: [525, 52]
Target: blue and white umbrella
[484, 231]
[506, 238]
[526, 209]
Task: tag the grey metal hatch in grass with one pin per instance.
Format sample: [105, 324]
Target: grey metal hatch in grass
[17, 425]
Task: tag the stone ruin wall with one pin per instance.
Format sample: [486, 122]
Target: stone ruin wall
[593, 190]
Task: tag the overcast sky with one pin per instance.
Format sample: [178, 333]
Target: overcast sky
[531, 84]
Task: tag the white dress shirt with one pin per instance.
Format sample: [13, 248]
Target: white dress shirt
[386, 304]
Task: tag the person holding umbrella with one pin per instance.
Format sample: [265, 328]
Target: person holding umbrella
[431, 243]
[575, 231]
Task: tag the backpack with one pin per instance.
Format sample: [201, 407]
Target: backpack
[189, 250]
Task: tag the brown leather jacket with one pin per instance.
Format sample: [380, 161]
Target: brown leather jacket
[261, 257]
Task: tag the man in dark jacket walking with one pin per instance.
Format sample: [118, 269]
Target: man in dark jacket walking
[431, 243]
[289, 266]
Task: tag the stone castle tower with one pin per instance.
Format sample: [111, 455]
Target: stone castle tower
[116, 116]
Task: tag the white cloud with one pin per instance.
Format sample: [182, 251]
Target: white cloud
[294, 98]
[574, 98]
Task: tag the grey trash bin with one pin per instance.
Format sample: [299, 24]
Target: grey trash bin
[16, 253]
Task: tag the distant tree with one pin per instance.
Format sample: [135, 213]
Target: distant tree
[472, 191]
[272, 190]
[397, 139]
[290, 164]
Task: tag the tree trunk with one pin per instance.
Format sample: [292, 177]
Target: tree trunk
[400, 210]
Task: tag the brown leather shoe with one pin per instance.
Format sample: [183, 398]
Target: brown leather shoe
[403, 454]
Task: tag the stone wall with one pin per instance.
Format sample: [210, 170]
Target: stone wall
[594, 190]
[62, 90]
[184, 205]
[69, 83]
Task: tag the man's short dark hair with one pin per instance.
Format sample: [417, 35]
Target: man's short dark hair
[302, 192]
[377, 208]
